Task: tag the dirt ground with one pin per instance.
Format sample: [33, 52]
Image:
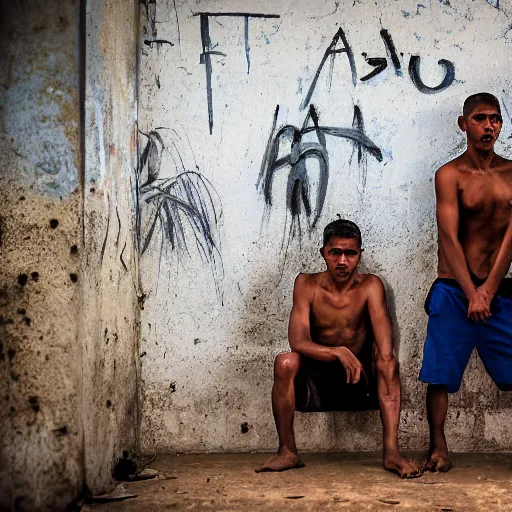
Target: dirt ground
[330, 481]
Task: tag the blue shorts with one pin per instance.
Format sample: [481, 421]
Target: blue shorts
[452, 336]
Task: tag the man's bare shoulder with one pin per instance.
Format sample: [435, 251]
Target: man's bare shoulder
[503, 165]
[371, 282]
[451, 168]
[308, 280]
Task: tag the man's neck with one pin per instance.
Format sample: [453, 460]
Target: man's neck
[343, 286]
[480, 160]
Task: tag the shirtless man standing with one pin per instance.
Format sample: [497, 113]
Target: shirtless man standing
[336, 317]
[470, 304]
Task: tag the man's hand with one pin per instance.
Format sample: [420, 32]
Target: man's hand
[352, 365]
[480, 304]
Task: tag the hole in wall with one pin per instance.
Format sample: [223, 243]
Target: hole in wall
[34, 403]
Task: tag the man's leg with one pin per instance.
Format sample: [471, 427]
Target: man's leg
[494, 342]
[451, 337]
[437, 406]
[286, 367]
[389, 400]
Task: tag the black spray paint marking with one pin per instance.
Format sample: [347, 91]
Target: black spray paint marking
[414, 73]
[118, 227]
[121, 258]
[102, 253]
[332, 51]
[178, 24]
[151, 42]
[247, 47]
[205, 57]
[388, 41]
[183, 210]
[207, 61]
[362, 157]
[150, 6]
[298, 194]
[380, 64]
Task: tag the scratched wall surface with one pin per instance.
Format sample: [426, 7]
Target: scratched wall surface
[40, 427]
[109, 320]
[256, 129]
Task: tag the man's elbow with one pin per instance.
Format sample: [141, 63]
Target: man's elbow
[448, 239]
[295, 345]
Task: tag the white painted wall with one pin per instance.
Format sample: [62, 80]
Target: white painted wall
[206, 355]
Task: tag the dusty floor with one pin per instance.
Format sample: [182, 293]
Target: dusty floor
[336, 481]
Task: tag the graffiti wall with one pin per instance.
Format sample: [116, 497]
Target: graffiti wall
[259, 123]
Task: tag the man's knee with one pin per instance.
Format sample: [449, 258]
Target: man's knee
[286, 365]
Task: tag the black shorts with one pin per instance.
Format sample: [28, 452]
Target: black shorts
[322, 386]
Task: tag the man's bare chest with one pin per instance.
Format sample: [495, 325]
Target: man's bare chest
[481, 195]
[330, 312]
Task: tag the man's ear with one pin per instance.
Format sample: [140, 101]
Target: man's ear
[322, 252]
[461, 121]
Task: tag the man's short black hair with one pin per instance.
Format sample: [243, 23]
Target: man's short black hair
[479, 99]
[342, 228]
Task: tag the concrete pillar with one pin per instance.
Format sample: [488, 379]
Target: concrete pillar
[68, 278]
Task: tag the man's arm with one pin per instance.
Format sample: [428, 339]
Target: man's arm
[500, 266]
[447, 212]
[388, 380]
[299, 333]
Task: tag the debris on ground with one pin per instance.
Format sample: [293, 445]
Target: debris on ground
[120, 492]
[145, 474]
[134, 468]
[390, 502]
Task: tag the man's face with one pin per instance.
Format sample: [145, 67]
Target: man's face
[482, 126]
[342, 257]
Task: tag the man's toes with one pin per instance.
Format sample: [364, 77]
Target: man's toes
[428, 465]
[443, 466]
[261, 468]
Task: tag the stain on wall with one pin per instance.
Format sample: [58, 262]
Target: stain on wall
[40, 418]
[380, 87]
[68, 279]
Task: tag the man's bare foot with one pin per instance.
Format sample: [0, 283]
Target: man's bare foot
[437, 461]
[402, 467]
[281, 461]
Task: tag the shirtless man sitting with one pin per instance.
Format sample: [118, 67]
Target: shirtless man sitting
[470, 304]
[337, 316]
